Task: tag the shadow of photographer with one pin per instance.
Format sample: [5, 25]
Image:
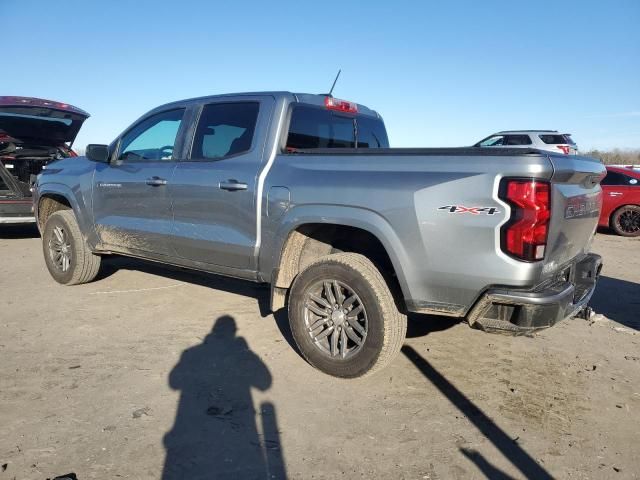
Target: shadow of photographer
[217, 432]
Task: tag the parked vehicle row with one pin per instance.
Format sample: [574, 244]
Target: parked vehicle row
[303, 192]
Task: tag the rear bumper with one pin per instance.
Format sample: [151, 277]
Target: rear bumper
[520, 312]
[16, 211]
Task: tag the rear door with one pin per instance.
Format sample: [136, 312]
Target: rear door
[132, 206]
[214, 190]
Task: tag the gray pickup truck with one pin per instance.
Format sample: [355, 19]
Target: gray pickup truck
[303, 192]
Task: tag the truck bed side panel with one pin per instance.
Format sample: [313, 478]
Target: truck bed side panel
[443, 259]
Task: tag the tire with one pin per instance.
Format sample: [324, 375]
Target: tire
[626, 221]
[377, 323]
[66, 254]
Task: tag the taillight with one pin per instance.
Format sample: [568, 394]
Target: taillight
[340, 105]
[524, 236]
[565, 148]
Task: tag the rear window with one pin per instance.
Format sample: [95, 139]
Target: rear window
[517, 140]
[313, 127]
[553, 139]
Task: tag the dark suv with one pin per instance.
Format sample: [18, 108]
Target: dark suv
[33, 132]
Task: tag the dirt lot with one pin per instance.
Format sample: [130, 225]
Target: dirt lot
[152, 373]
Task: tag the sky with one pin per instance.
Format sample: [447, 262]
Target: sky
[440, 73]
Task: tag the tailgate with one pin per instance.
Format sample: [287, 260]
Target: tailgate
[576, 200]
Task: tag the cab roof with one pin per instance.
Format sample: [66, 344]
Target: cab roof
[303, 98]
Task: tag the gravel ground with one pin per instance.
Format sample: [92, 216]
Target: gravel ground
[154, 373]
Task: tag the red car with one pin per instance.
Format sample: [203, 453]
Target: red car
[33, 132]
[621, 200]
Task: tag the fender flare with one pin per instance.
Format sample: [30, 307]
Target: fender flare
[357, 217]
[80, 209]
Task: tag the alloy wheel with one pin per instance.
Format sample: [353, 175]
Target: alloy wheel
[335, 319]
[629, 221]
[60, 249]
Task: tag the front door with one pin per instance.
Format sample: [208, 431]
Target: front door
[214, 190]
[618, 189]
[131, 202]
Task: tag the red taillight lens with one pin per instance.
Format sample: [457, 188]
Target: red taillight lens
[525, 235]
[565, 148]
[340, 105]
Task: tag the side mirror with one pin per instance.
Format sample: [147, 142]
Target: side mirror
[97, 153]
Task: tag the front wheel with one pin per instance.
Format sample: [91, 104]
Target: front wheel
[68, 258]
[626, 221]
[343, 316]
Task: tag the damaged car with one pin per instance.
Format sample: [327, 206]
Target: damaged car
[33, 133]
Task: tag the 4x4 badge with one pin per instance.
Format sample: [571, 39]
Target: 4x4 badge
[471, 210]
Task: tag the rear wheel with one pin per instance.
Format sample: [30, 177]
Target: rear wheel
[66, 254]
[343, 316]
[626, 221]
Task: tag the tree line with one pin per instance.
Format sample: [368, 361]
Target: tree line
[615, 156]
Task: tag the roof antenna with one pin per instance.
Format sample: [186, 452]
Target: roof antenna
[334, 83]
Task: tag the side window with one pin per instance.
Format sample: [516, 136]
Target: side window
[152, 139]
[618, 179]
[224, 129]
[517, 140]
[553, 139]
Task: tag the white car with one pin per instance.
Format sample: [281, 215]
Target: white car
[549, 140]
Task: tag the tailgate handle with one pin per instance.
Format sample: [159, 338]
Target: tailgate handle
[233, 185]
[156, 181]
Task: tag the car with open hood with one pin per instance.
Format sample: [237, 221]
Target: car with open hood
[33, 133]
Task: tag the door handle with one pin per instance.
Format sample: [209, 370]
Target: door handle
[615, 194]
[232, 185]
[156, 181]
